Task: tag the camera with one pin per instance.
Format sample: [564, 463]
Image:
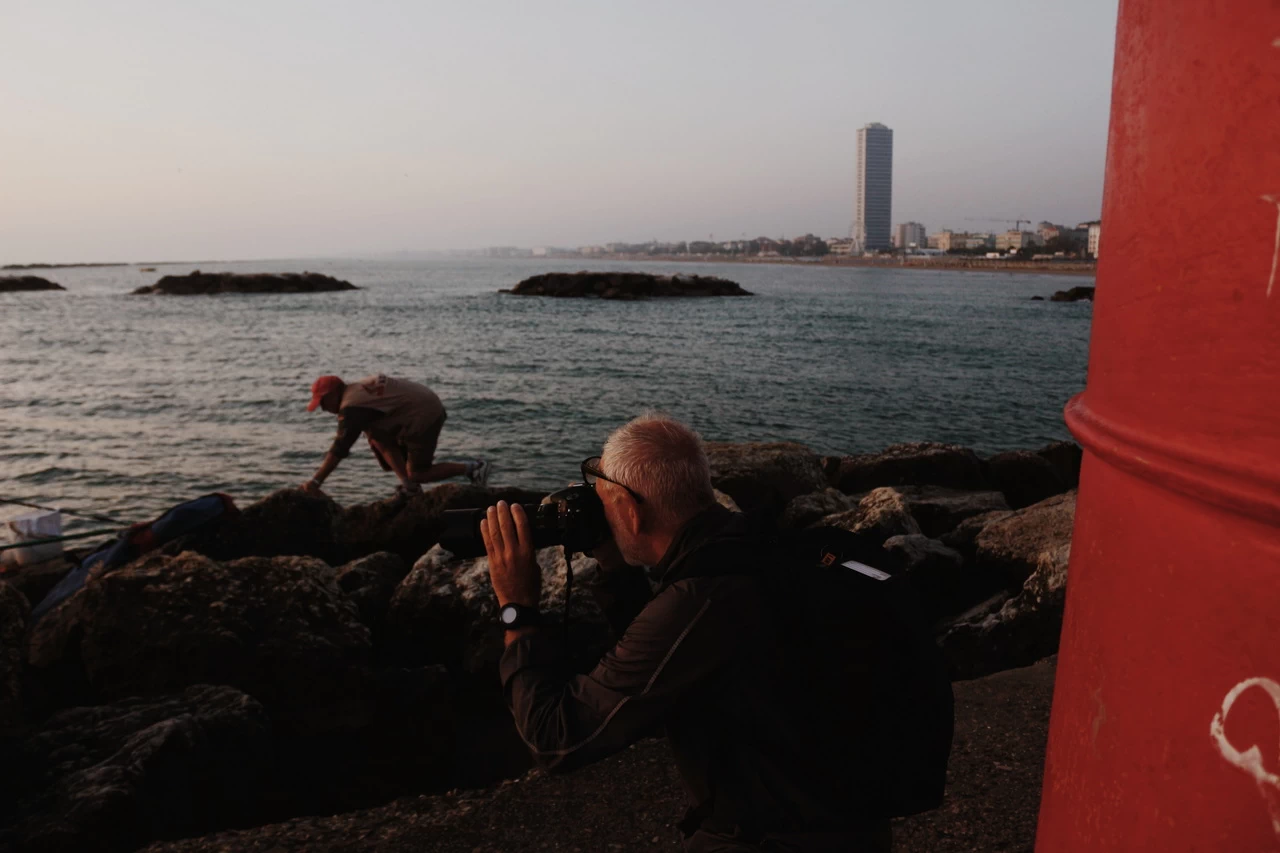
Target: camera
[572, 517]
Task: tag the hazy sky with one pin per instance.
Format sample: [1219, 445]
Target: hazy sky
[234, 129]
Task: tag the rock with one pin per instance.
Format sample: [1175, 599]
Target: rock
[625, 285]
[36, 580]
[202, 283]
[1075, 294]
[1013, 545]
[112, 777]
[292, 522]
[1037, 299]
[964, 538]
[1024, 630]
[14, 612]
[940, 510]
[14, 283]
[923, 463]
[882, 514]
[726, 501]
[411, 529]
[445, 611]
[935, 569]
[1025, 477]
[370, 582]
[764, 477]
[276, 627]
[289, 522]
[809, 509]
[1065, 457]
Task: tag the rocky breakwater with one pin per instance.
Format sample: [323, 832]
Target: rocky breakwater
[625, 286]
[15, 283]
[205, 283]
[305, 658]
[1074, 294]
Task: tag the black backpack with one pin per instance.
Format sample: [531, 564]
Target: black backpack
[868, 675]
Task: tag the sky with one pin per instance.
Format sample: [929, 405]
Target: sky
[196, 130]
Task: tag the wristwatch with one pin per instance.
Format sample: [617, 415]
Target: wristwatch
[515, 616]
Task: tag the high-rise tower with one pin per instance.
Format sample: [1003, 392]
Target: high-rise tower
[872, 207]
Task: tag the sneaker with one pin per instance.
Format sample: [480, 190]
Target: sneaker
[479, 473]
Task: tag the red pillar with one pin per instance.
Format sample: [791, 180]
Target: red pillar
[1173, 605]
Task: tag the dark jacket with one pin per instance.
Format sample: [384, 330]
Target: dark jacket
[702, 659]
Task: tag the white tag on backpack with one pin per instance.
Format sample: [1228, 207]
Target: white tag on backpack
[863, 568]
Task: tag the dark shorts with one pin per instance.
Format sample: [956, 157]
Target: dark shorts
[419, 451]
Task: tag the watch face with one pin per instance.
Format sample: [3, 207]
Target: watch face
[509, 615]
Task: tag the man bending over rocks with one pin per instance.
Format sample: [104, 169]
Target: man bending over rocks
[700, 658]
[402, 420]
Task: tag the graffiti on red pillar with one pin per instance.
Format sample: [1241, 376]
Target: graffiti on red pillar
[1250, 761]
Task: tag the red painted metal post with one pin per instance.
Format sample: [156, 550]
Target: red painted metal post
[1165, 732]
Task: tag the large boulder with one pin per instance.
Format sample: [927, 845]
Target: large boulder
[278, 628]
[203, 283]
[112, 777]
[446, 612]
[881, 514]
[1065, 457]
[1012, 545]
[370, 582]
[289, 522]
[36, 580]
[14, 283]
[940, 510]
[409, 528]
[964, 536]
[810, 509]
[1024, 477]
[625, 285]
[922, 463]
[764, 477]
[936, 570]
[14, 612]
[293, 522]
[1023, 630]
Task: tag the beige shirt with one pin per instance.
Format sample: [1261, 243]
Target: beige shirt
[411, 409]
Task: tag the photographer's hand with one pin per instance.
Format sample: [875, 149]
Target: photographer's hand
[509, 543]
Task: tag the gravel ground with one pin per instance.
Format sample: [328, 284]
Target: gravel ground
[632, 801]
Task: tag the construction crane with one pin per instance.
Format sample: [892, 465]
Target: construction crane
[1017, 223]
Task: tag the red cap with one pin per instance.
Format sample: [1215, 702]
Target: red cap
[323, 386]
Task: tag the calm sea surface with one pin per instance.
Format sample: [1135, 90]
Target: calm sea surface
[127, 404]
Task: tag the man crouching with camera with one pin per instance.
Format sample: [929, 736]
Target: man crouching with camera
[699, 658]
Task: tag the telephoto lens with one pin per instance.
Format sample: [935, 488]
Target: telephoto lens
[572, 517]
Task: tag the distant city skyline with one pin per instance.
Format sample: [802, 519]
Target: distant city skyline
[144, 130]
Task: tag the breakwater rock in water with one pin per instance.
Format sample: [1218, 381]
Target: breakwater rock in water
[15, 283]
[311, 658]
[625, 286]
[204, 283]
[1075, 294]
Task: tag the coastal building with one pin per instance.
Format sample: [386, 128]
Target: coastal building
[1095, 237]
[909, 234]
[874, 193]
[1013, 240]
[980, 241]
[839, 246]
[946, 240]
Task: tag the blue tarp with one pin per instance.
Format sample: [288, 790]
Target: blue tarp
[135, 542]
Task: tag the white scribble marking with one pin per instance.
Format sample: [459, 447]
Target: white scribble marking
[1275, 255]
[1250, 761]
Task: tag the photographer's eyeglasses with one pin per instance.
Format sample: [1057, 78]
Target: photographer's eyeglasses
[591, 472]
